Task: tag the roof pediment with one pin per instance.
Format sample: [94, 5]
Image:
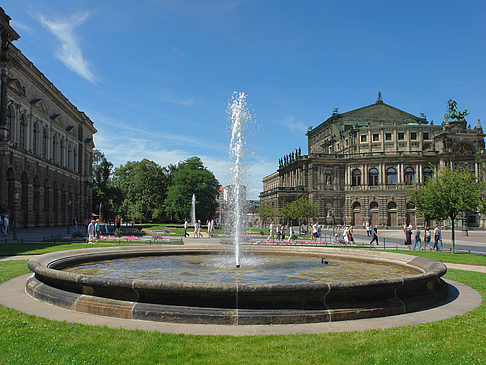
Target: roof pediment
[380, 112]
[16, 86]
[39, 105]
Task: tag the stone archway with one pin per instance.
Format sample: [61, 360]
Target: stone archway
[356, 220]
[392, 220]
[374, 214]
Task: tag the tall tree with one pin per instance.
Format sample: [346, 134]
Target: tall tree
[191, 177]
[103, 192]
[266, 211]
[143, 185]
[447, 194]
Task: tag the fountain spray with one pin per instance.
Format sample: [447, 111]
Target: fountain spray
[239, 115]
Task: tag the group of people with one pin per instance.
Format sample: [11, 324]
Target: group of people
[416, 240]
[4, 224]
[278, 232]
[94, 231]
[197, 228]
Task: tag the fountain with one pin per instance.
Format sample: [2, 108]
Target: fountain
[289, 284]
[239, 116]
[193, 210]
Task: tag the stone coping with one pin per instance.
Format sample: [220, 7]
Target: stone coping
[235, 303]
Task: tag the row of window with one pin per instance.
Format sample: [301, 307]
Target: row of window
[391, 176]
[40, 142]
[388, 136]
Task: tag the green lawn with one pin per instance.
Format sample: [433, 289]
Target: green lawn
[457, 258]
[27, 339]
[37, 248]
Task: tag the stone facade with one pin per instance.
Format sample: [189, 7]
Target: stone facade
[361, 163]
[46, 144]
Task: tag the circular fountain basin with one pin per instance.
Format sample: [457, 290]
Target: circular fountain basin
[404, 284]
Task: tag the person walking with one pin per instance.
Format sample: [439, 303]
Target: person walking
[186, 225]
[374, 234]
[368, 229]
[417, 239]
[271, 237]
[437, 238]
[350, 235]
[6, 223]
[97, 230]
[91, 231]
[427, 238]
[282, 232]
[408, 236]
[291, 232]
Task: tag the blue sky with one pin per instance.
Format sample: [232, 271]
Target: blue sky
[156, 76]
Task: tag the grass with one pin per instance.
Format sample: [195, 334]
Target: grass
[38, 248]
[26, 339]
[456, 258]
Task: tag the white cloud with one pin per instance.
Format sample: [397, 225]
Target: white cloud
[134, 144]
[70, 52]
[167, 97]
[294, 126]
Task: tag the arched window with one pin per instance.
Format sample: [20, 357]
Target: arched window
[409, 177]
[45, 140]
[35, 138]
[373, 177]
[356, 177]
[75, 159]
[428, 173]
[391, 176]
[10, 117]
[70, 157]
[55, 149]
[22, 133]
[46, 195]
[392, 205]
[61, 152]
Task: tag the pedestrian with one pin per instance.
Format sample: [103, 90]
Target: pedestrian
[346, 235]
[314, 232]
[271, 237]
[427, 239]
[437, 238]
[97, 230]
[5, 224]
[318, 232]
[417, 239]
[408, 236]
[282, 232]
[186, 225]
[199, 234]
[91, 231]
[350, 235]
[291, 232]
[277, 229]
[1, 226]
[374, 233]
[368, 229]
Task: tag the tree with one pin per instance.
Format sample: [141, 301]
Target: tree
[191, 177]
[266, 211]
[103, 191]
[447, 194]
[143, 186]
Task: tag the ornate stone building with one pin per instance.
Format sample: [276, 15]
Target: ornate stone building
[46, 144]
[361, 163]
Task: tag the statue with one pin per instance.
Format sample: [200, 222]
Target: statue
[453, 112]
[301, 151]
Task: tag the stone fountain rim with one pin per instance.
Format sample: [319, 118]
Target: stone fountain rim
[47, 266]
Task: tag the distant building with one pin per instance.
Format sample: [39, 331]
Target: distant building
[46, 144]
[360, 164]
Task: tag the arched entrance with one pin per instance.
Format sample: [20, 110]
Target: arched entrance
[36, 201]
[411, 214]
[24, 201]
[392, 215]
[374, 214]
[356, 214]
